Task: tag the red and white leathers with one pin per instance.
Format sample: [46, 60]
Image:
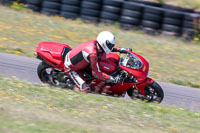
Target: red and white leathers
[80, 57]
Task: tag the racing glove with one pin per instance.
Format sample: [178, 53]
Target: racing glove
[115, 80]
[124, 50]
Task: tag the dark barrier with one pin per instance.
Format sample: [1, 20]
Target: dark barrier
[90, 10]
[152, 17]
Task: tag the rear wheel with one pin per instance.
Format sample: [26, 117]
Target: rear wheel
[48, 74]
[154, 93]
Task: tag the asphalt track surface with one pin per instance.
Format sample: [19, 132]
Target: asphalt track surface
[25, 68]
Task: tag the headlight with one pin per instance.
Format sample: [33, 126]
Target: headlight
[132, 61]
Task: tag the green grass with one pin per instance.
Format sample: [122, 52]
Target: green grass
[171, 59]
[195, 4]
[29, 108]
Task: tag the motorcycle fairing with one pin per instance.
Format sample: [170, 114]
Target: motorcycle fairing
[139, 75]
[124, 86]
[120, 88]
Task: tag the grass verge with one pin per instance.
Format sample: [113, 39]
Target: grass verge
[170, 58]
[29, 108]
[195, 4]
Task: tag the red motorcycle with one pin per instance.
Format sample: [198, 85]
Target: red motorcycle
[130, 68]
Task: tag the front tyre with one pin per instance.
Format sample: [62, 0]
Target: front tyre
[154, 93]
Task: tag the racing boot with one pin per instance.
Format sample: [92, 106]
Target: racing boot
[81, 85]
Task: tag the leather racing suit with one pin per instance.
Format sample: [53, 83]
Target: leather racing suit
[79, 58]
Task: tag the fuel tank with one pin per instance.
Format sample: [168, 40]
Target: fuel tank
[109, 63]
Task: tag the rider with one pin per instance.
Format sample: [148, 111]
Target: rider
[88, 53]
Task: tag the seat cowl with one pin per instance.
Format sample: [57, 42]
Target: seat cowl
[54, 48]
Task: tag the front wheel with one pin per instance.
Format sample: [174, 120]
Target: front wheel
[154, 93]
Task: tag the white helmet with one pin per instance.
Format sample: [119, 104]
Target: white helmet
[106, 41]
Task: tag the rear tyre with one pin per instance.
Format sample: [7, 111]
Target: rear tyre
[42, 72]
[154, 93]
[48, 74]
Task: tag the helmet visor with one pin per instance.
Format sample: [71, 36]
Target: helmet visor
[110, 45]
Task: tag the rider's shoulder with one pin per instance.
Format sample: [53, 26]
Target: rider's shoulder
[91, 42]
